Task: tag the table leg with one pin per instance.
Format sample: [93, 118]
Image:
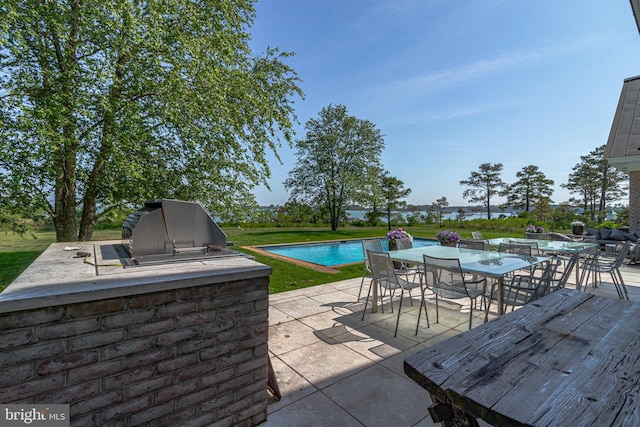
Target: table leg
[500, 295]
[449, 416]
[577, 267]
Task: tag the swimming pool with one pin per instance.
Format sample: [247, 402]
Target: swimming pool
[333, 253]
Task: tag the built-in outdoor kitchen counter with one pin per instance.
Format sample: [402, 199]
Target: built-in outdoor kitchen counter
[126, 344]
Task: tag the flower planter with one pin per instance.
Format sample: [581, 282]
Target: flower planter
[393, 245]
[452, 244]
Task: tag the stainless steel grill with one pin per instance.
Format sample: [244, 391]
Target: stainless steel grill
[173, 230]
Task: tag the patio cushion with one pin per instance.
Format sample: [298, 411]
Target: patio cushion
[604, 233]
[631, 237]
[617, 235]
[593, 232]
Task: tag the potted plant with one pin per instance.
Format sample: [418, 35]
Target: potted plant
[448, 238]
[577, 228]
[396, 235]
[533, 232]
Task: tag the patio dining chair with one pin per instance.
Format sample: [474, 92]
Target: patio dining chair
[559, 237]
[373, 245]
[386, 279]
[480, 245]
[564, 266]
[522, 248]
[404, 268]
[445, 278]
[476, 235]
[595, 265]
[521, 289]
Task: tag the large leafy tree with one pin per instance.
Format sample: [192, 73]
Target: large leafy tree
[334, 161]
[371, 195]
[596, 183]
[107, 104]
[483, 184]
[393, 191]
[531, 187]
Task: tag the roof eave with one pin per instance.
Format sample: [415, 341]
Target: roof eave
[635, 6]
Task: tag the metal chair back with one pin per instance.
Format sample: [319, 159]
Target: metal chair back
[382, 270]
[520, 248]
[448, 281]
[480, 245]
[403, 244]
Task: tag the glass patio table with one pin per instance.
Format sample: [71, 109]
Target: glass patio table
[490, 264]
[553, 246]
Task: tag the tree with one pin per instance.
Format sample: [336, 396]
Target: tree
[543, 209]
[108, 104]
[484, 184]
[370, 195]
[393, 190]
[439, 206]
[532, 186]
[334, 161]
[596, 182]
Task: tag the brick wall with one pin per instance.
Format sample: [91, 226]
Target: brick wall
[196, 356]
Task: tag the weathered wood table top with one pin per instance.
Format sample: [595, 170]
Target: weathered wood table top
[570, 358]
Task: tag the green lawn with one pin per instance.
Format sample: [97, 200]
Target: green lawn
[16, 253]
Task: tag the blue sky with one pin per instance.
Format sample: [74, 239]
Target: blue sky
[453, 84]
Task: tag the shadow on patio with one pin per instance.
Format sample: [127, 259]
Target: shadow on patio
[335, 369]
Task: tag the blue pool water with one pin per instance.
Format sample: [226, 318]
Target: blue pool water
[333, 253]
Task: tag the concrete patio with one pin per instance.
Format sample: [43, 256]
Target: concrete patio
[334, 369]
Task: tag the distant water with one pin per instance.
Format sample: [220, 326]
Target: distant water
[360, 214]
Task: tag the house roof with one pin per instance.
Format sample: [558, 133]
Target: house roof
[635, 6]
[623, 145]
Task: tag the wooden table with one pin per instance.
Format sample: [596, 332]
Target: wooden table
[567, 359]
[491, 264]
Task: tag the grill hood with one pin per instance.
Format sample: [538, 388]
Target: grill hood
[165, 230]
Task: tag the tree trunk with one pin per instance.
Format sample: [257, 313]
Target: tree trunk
[65, 217]
[65, 189]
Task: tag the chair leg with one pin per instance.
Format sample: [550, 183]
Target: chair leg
[487, 303]
[367, 300]
[391, 293]
[622, 285]
[471, 311]
[486, 310]
[395, 334]
[361, 285]
[437, 312]
[426, 314]
[618, 281]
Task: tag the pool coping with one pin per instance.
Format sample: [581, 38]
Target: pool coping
[307, 264]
